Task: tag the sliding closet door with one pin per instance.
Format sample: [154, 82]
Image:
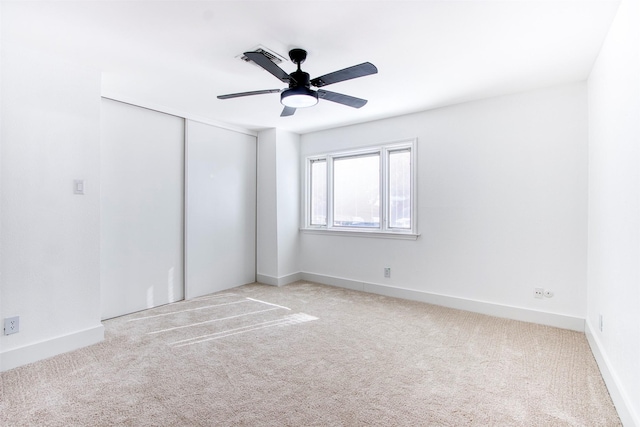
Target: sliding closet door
[142, 205]
[221, 209]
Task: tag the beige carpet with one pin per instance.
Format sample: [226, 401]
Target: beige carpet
[313, 355]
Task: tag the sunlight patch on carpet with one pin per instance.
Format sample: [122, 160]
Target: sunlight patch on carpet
[211, 321]
[292, 319]
[268, 303]
[187, 310]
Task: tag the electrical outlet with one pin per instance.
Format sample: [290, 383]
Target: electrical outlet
[538, 292]
[548, 293]
[11, 325]
[387, 272]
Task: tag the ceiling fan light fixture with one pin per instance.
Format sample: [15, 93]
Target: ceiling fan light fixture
[299, 97]
[299, 93]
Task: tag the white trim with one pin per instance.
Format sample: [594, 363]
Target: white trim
[175, 112]
[482, 307]
[354, 232]
[620, 398]
[278, 281]
[48, 348]
[354, 285]
[186, 295]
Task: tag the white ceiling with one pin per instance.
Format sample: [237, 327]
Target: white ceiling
[181, 54]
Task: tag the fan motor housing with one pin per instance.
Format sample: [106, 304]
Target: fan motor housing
[300, 79]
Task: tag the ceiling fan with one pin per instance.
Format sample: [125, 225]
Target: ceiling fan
[299, 94]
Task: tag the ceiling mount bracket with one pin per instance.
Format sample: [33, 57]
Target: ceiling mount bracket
[297, 56]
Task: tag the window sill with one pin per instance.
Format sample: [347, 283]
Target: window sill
[361, 233]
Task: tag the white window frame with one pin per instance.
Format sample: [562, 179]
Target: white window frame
[383, 230]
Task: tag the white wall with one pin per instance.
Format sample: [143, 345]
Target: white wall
[502, 196]
[50, 237]
[614, 211]
[267, 203]
[1, 134]
[288, 195]
[278, 207]
[221, 209]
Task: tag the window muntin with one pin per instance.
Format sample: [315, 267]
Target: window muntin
[370, 190]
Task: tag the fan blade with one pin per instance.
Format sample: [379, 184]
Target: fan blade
[288, 111]
[361, 70]
[255, 92]
[263, 61]
[340, 98]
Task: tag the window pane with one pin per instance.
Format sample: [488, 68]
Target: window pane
[400, 189]
[356, 192]
[318, 192]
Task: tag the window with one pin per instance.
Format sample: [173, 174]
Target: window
[356, 191]
[400, 189]
[368, 191]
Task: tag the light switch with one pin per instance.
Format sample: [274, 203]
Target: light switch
[78, 186]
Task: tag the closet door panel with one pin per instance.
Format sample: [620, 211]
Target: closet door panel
[142, 205]
[221, 209]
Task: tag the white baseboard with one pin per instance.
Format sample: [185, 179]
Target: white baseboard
[483, 307]
[52, 347]
[278, 281]
[334, 281]
[621, 400]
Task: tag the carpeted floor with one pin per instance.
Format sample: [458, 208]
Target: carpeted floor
[313, 355]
